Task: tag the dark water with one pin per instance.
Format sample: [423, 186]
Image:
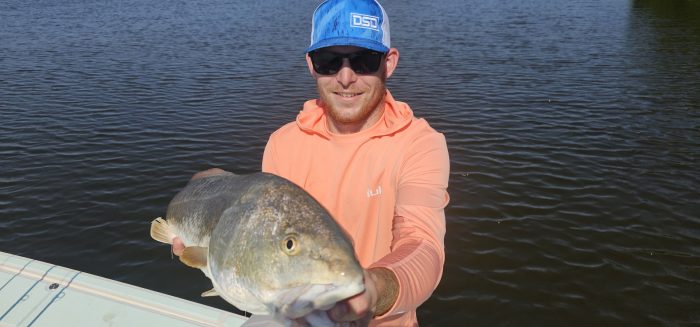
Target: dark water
[573, 129]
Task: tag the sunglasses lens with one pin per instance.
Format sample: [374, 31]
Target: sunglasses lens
[362, 62]
[365, 62]
[326, 62]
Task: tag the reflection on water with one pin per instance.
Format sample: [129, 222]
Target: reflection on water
[573, 129]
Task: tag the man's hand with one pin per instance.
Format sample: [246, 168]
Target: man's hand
[381, 292]
[209, 172]
[178, 247]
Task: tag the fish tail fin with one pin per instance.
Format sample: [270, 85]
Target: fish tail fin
[160, 231]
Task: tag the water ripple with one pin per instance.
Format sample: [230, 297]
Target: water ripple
[572, 127]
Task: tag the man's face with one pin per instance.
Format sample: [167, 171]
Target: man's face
[353, 101]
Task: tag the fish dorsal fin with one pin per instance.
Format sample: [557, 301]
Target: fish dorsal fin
[211, 292]
[160, 231]
[195, 256]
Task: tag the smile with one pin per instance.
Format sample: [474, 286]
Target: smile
[347, 95]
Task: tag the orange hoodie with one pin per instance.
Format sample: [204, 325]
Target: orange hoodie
[386, 186]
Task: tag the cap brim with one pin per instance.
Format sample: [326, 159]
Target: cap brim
[346, 41]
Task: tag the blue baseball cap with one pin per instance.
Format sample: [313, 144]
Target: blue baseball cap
[361, 23]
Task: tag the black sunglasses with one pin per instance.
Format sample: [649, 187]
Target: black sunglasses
[362, 62]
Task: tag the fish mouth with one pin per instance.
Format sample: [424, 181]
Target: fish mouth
[299, 301]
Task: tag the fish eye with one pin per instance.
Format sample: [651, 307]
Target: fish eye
[290, 245]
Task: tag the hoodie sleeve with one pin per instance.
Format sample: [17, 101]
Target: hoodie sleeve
[417, 250]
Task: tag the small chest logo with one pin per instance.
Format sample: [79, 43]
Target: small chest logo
[365, 21]
[371, 193]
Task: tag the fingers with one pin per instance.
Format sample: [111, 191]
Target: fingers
[352, 318]
[208, 172]
[357, 310]
[178, 246]
[354, 309]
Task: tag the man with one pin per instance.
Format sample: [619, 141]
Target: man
[380, 172]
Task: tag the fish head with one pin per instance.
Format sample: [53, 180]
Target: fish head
[313, 272]
[283, 247]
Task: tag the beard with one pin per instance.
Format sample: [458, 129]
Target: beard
[359, 113]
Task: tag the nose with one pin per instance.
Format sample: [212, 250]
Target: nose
[346, 76]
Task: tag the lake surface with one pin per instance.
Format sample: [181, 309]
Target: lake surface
[573, 129]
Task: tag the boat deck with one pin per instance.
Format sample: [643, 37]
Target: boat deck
[35, 293]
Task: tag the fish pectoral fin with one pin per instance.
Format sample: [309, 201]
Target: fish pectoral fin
[195, 256]
[211, 292]
[160, 231]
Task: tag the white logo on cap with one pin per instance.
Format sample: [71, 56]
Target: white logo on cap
[365, 21]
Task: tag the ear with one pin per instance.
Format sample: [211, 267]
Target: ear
[392, 60]
[311, 66]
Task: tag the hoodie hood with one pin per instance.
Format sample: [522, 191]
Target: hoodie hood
[397, 116]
